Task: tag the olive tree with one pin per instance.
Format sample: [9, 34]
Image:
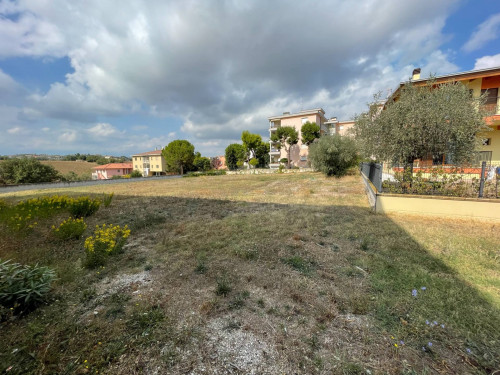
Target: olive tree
[333, 155]
[422, 122]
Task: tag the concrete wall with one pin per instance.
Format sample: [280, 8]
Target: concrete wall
[483, 209]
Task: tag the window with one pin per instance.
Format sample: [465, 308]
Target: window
[486, 141]
[491, 95]
[118, 171]
[303, 158]
[304, 120]
[157, 166]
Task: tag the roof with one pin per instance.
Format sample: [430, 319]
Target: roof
[155, 152]
[470, 74]
[114, 166]
[301, 113]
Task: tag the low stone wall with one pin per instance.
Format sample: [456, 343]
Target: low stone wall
[269, 171]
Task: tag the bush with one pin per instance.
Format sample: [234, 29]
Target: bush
[136, 174]
[207, 173]
[24, 287]
[23, 171]
[83, 206]
[253, 162]
[333, 155]
[106, 240]
[69, 229]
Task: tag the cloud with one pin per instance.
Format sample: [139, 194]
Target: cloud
[102, 130]
[487, 62]
[217, 67]
[15, 130]
[487, 31]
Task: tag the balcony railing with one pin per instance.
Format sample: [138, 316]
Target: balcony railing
[275, 150]
[492, 105]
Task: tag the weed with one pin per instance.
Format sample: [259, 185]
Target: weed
[223, 286]
[83, 206]
[24, 287]
[106, 240]
[299, 264]
[261, 303]
[248, 254]
[239, 300]
[148, 267]
[201, 267]
[351, 368]
[106, 199]
[69, 229]
[143, 321]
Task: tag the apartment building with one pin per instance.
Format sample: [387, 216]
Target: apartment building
[298, 152]
[335, 126]
[150, 163]
[482, 81]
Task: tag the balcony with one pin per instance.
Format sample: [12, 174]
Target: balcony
[275, 151]
[492, 105]
[273, 125]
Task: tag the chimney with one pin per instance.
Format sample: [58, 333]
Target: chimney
[286, 113]
[416, 74]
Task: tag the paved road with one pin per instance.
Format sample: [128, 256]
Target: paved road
[55, 185]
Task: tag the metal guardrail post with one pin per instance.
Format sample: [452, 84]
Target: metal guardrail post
[481, 181]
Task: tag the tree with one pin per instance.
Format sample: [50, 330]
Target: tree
[178, 155]
[202, 163]
[22, 171]
[215, 162]
[333, 155]
[262, 155]
[310, 131]
[250, 142]
[234, 153]
[286, 136]
[424, 122]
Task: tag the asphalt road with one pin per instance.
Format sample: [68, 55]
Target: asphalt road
[55, 185]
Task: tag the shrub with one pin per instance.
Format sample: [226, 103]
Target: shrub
[22, 171]
[69, 229]
[105, 241]
[207, 173]
[24, 287]
[333, 155]
[253, 162]
[136, 174]
[83, 206]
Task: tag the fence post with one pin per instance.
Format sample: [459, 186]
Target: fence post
[481, 181]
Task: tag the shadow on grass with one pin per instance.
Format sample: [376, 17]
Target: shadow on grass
[412, 296]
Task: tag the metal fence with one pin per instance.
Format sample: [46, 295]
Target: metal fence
[446, 180]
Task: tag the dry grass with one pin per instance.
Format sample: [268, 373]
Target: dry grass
[261, 274]
[64, 167]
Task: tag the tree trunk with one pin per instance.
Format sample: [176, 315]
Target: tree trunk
[182, 169]
[408, 174]
[289, 151]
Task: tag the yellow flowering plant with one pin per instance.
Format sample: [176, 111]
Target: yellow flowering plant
[106, 240]
[69, 229]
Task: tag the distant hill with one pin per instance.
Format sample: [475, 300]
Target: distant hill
[64, 167]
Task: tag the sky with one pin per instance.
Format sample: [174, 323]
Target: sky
[124, 77]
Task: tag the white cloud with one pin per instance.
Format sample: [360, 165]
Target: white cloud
[103, 130]
[216, 67]
[487, 31]
[487, 62]
[15, 130]
[68, 136]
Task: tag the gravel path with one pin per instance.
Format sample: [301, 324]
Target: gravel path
[55, 185]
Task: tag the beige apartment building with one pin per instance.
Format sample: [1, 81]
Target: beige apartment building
[298, 152]
[339, 127]
[149, 163]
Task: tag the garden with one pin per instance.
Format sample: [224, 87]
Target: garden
[237, 274]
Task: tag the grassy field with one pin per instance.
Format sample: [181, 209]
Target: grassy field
[64, 167]
[263, 274]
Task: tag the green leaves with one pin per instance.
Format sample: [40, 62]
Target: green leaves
[26, 170]
[23, 287]
[333, 155]
[421, 123]
[310, 131]
[178, 155]
[234, 153]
